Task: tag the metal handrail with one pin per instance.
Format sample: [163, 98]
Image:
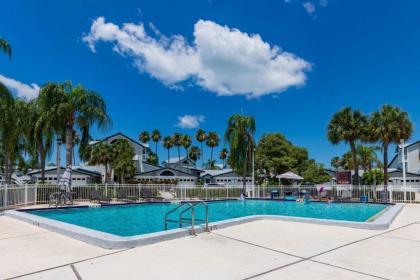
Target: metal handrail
[192, 220]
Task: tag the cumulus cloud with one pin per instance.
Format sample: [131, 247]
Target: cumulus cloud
[24, 91]
[309, 7]
[220, 59]
[190, 121]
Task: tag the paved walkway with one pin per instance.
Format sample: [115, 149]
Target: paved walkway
[256, 250]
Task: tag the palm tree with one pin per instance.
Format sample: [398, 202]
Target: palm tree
[73, 108]
[156, 137]
[212, 141]
[103, 154]
[390, 125]
[240, 136]
[201, 136]
[194, 154]
[176, 139]
[40, 135]
[348, 126]
[5, 47]
[366, 156]
[122, 160]
[186, 143]
[223, 156]
[144, 137]
[336, 163]
[168, 143]
[9, 129]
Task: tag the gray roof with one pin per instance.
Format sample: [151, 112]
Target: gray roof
[77, 169]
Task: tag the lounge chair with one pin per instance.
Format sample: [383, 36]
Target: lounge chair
[346, 195]
[147, 194]
[123, 195]
[60, 198]
[97, 196]
[274, 194]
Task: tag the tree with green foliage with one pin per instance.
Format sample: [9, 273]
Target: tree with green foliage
[348, 126]
[5, 47]
[276, 155]
[123, 163]
[336, 163]
[103, 154]
[177, 142]
[168, 143]
[144, 137]
[201, 137]
[314, 172]
[240, 136]
[151, 157]
[223, 155]
[72, 109]
[186, 143]
[194, 154]
[156, 137]
[373, 177]
[212, 142]
[390, 125]
[366, 156]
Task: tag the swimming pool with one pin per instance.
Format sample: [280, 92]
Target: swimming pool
[137, 219]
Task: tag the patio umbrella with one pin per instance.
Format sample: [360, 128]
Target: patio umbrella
[65, 180]
[289, 175]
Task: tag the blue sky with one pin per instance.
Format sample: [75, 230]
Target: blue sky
[338, 53]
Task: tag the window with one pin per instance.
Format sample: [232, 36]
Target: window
[167, 173]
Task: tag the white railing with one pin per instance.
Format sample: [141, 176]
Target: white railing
[12, 196]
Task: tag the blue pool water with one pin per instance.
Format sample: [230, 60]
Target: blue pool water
[134, 219]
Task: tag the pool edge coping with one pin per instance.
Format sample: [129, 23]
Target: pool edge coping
[110, 241]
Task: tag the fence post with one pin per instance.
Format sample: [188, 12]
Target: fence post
[36, 193]
[26, 194]
[106, 189]
[5, 197]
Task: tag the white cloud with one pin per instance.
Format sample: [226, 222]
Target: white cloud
[221, 60]
[309, 7]
[190, 121]
[21, 90]
[323, 3]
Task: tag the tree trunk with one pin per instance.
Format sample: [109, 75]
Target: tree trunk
[42, 158]
[156, 144]
[386, 166]
[7, 168]
[202, 156]
[69, 145]
[106, 173]
[168, 157]
[179, 154]
[244, 178]
[355, 164]
[211, 154]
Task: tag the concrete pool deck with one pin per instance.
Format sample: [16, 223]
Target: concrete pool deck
[263, 249]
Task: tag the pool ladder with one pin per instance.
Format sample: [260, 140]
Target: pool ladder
[188, 205]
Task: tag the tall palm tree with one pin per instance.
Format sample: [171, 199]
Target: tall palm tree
[168, 143]
[201, 136]
[5, 47]
[177, 141]
[40, 134]
[8, 129]
[212, 142]
[186, 143]
[194, 154]
[240, 136]
[144, 137]
[103, 154]
[156, 137]
[73, 108]
[348, 126]
[390, 125]
[223, 156]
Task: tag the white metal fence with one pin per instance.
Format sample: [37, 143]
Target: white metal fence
[16, 196]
